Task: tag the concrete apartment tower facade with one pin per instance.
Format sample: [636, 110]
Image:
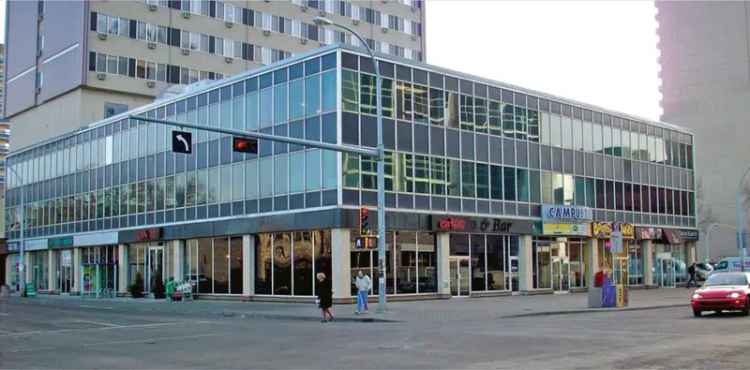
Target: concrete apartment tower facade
[71, 63]
[705, 72]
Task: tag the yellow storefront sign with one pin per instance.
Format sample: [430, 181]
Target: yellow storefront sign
[582, 229]
[604, 229]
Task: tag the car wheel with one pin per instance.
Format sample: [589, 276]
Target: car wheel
[746, 310]
[697, 313]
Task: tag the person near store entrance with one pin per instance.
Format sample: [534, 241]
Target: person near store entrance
[691, 272]
[363, 284]
[325, 297]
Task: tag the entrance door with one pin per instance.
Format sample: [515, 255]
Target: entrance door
[560, 275]
[155, 267]
[66, 277]
[460, 276]
[667, 273]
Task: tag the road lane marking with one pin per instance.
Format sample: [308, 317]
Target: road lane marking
[99, 323]
[97, 307]
[137, 326]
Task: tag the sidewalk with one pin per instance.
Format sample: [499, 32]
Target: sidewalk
[471, 309]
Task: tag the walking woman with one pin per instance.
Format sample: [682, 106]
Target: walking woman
[325, 297]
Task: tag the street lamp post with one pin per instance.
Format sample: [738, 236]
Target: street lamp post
[741, 221]
[323, 22]
[22, 247]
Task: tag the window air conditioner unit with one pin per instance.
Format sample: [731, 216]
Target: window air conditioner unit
[102, 36]
[384, 29]
[303, 41]
[152, 45]
[152, 7]
[186, 15]
[101, 76]
[150, 84]
[185, 51]
[228, 60]
[266, 33]
[355, 21]
[228, 24]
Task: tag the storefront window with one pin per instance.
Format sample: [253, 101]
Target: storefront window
[303, 263]
[282, 259]
[221, 266]
[406, 261]
[496, 262]
[263, 264]
[205, 266]
[477, 262]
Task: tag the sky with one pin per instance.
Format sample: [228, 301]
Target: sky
[602, 53]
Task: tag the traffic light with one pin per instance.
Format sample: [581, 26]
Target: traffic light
[182, 142]
[245, 145]
[364, 221]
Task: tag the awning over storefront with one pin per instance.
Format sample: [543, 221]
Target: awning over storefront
[672, 236]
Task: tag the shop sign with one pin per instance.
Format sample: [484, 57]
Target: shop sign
[153, 233]
[672, 236]
[566, 214]
[577, 229]
[688, 235]
[66, 258]
[96, 239]
[56, 243]
[35, 245]
[468, 224]
[603, 230]
[648, 233]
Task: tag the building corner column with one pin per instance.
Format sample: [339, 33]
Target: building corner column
[525, 264]
[443, 263]
[647, 251]
[179, 259]
[592, 261]
[28, 273]
[122, 269]
[248, 265]
[51, 271]
[341, 279]
[76, 289]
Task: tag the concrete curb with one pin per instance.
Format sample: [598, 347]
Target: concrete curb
[592, 310]
[272, 316]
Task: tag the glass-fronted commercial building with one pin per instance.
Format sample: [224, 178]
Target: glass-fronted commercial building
[472, 167]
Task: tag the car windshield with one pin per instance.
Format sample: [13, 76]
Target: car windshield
[726, 279]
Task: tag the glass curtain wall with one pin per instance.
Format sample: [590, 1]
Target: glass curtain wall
[286, 263]
[414, 255]
[214, 265]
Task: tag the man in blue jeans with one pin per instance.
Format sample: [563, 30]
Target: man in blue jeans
[363, 284]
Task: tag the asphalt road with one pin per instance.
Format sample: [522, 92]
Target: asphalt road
[83, 337]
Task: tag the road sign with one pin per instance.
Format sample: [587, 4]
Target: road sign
[182, 142]
[245, 145]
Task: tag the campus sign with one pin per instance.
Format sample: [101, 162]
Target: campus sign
[566, 214]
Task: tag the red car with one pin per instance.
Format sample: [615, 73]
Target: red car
[723, 291]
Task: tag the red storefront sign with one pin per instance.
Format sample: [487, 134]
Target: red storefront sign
[149, 234]
[488, 225]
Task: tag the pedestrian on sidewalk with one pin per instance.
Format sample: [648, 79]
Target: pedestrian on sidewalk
[363, 284]
[691, 272]
[325, 297]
